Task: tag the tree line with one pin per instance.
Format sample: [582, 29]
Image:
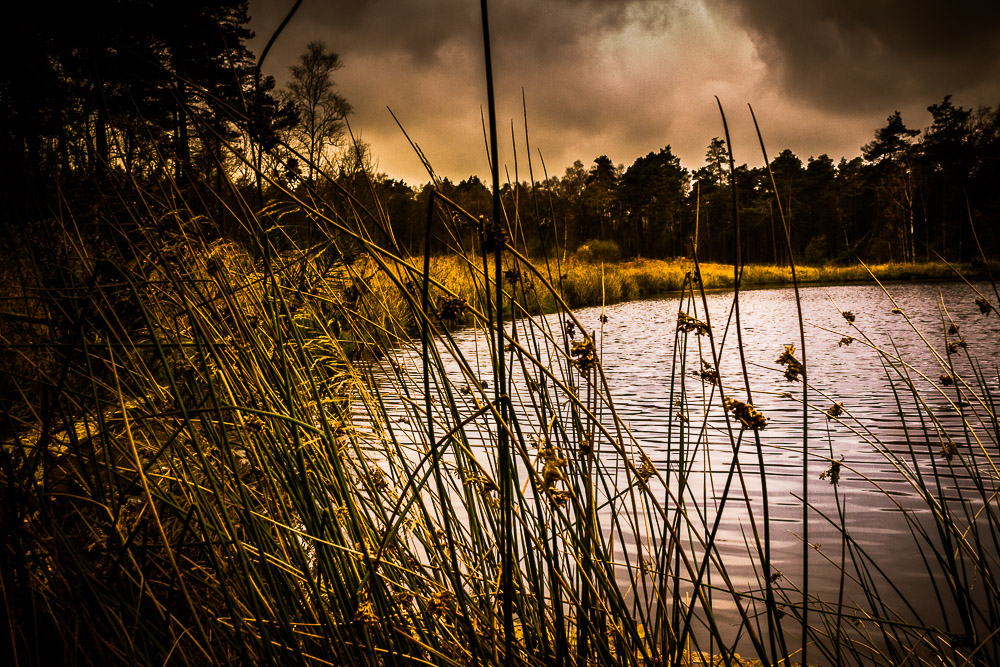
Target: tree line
[911, 195]
[163, 93]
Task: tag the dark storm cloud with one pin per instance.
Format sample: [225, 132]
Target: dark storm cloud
[629, 77]
[865, 54]
[423, 58]
[419, 28]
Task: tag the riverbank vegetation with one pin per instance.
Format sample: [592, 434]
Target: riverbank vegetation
[582, 283]
[237, 427]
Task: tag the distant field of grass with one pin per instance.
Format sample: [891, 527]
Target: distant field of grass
[581, 283]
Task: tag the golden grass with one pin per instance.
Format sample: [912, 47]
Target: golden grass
[581, 284]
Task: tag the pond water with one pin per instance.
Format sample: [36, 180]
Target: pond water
[887, 438]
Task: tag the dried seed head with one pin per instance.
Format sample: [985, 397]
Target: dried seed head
[559, 497]
[441, 602]
[686, 324]
[552, 468]
[948, 449]
[750, 418]
[793, 367]
[707, 373]
[584, 356]
[253, 424]
[452, 309]
[646, 471]
[366, 614]
[493, 235]
[832, 474]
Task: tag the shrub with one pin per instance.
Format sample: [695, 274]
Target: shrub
[596, 250]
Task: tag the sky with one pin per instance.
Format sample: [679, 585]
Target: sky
[624, 78]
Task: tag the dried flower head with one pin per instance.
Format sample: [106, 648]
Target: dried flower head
[366, 614]
[948, 449]
[707, 373]
[452, 309]
[793, 367]
[832, 474]
[749, 416]
[835, 410]
[441, 602]
[403, 598]
[985, 307]
[846, 340]
[646, 471]
[584, 355]
[559, 497]
[955, 345]
[849, 316]
[253, 424]
[379, 479]
[493, 234]
[552, 466]
[686, 324]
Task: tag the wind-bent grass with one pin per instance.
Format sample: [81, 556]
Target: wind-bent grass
[212, 459]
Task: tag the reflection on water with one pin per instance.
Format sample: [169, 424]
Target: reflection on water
[885, 441]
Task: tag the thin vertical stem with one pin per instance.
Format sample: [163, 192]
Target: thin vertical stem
[500, 380]
[805, 406]
[774, 626]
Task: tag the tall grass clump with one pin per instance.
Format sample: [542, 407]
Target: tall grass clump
[224, 444]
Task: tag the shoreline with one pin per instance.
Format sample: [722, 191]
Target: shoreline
[583, 284]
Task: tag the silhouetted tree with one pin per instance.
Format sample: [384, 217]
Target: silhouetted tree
[321, 108]
[600, 198]
[652, 192]
[949, 155]
[892, 153]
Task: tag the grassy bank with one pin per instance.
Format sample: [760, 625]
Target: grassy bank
[577, 284]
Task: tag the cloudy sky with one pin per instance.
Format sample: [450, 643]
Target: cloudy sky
[623, 78]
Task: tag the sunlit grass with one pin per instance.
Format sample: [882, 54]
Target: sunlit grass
[581, 283]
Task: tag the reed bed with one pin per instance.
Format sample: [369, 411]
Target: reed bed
[218, 452]
[586, 283]
[271, 452]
